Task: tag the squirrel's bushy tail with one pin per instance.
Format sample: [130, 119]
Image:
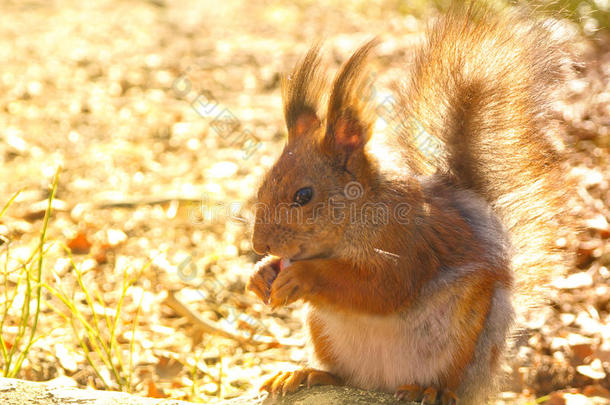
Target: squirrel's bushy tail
[481, 84]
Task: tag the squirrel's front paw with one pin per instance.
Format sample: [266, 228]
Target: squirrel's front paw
[290, 285]
[265, 272]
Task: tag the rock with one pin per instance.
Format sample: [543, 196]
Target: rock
[19, 392]
[335, 396]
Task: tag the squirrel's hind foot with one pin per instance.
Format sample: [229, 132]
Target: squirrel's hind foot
[426, 395]
[290, 381]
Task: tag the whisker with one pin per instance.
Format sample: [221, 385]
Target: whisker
[383, 252]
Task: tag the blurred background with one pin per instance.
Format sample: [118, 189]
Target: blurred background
[163, 116]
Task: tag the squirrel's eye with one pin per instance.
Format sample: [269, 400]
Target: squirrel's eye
[303, 196]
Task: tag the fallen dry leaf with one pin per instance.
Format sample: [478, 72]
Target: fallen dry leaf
[154, 391]
[80, 244]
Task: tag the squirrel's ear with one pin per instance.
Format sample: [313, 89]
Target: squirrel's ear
[302, 93]
[350, 117]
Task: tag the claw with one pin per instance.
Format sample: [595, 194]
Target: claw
[278, 384]
[449, 398]
[409, 393]
[426, 395]
[286, 382]
[266, 386]
[429, 395]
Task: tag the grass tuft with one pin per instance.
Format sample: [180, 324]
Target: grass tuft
[29, 278]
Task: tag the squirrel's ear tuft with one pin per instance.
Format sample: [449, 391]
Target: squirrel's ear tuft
[350, 117]
[302, 93]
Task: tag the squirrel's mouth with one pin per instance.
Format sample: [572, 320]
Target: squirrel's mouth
[298, 257]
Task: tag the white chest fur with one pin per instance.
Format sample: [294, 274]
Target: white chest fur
[385, 352]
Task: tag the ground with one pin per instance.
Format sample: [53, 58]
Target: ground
[163, 116]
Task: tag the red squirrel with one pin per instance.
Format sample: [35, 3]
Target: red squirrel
[417, 295]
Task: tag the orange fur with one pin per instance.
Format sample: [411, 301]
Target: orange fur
[321, 344]
[469, 319]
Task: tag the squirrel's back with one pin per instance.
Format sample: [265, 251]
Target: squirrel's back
[481, 86]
